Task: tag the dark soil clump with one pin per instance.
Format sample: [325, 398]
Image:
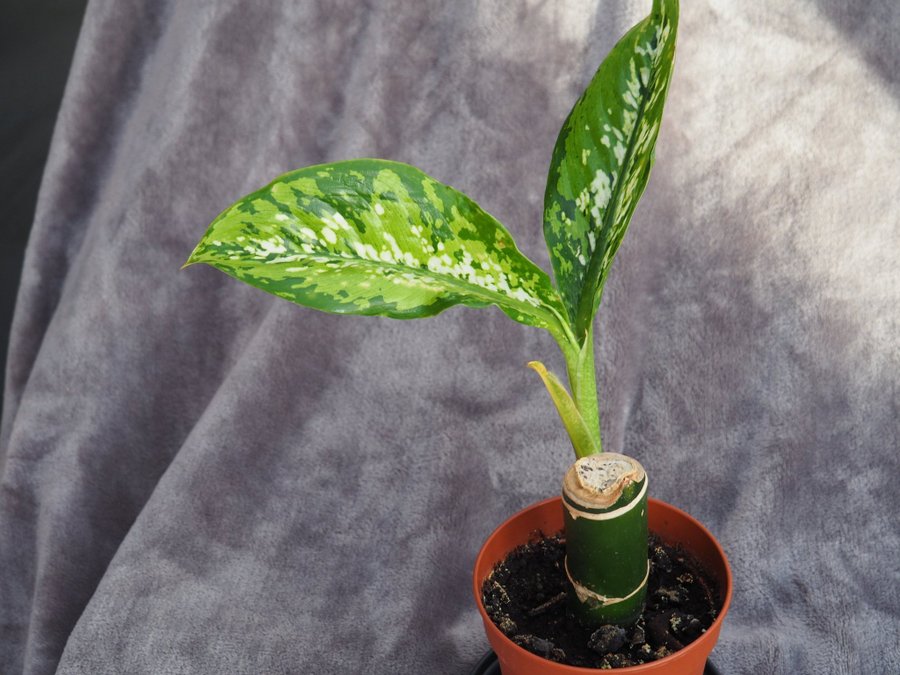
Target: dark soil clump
[526, 597]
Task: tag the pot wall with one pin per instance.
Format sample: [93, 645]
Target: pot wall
[671, 524]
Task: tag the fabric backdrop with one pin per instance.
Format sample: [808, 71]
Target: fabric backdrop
[200, 478]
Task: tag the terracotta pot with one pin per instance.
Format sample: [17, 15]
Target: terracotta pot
[673, 525]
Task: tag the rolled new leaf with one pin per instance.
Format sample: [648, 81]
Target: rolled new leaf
[582, 441]
[605, 504]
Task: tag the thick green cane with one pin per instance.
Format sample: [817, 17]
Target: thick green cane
[605, 500]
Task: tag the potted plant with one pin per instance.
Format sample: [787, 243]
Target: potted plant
[376, 237]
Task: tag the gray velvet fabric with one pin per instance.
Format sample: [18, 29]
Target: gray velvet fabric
[199, 478]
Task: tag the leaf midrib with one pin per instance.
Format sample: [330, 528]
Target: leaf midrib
[545, 311]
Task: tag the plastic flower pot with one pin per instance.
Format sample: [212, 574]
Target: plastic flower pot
[671, 524]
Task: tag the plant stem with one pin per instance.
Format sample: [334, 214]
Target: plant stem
[583, 383]
[605, 500]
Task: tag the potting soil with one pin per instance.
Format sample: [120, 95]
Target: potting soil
[526, 596]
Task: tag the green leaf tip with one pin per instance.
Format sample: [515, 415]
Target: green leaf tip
[190, 261]
[194, 257]
[602, 159]
[582, 442]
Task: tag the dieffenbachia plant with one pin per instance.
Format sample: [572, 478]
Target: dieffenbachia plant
[376, 237]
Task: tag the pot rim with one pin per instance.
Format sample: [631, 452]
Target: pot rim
[712, 630]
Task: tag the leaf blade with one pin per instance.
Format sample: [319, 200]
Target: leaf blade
[375, 237]
[602, 160]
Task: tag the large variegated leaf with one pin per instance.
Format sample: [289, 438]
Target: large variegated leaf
[377, 237]
[602, 160]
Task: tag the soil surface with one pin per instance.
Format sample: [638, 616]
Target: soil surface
[526, 597]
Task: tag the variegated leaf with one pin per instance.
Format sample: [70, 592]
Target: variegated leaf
[602, 160]
[377, 237]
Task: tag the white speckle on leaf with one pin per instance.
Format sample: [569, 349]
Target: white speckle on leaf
[329, 235]
[271, 246]
[341, 221]
[389, 238]
[601, 191]
[582, 201]
[634, 85]
[522, 295]
[379, 209]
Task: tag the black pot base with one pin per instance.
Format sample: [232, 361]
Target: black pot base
[488, 665]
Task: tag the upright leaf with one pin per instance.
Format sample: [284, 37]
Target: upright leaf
[602, 160]
[377, 237]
